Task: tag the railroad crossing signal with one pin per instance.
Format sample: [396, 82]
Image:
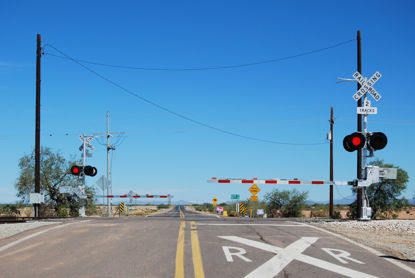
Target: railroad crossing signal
[354, 141]
[83, 170]
[76, 170]
[90, 171]
[373, 140]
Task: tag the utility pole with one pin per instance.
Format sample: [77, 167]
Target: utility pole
[331, 161]
[109, 147]
[359, 125]
[37, 133]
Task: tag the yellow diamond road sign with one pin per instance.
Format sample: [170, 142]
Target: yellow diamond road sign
[254, 189]
[254, 199]
[214, 200]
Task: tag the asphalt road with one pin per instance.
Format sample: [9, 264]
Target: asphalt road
[182, 243]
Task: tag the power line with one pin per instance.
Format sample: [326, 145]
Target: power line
[178, 114]
[274, 60]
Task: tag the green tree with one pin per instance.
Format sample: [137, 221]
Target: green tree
[290, 203]
[54, 176]
[10, 210]
[384, 196]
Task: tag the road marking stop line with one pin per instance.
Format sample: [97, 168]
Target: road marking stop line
[284, 256]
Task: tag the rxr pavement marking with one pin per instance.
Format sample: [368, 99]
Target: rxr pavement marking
[285, 255]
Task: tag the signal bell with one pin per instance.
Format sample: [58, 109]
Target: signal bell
[354, 141]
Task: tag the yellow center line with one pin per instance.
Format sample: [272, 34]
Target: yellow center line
[180, 252]
[181, 213]
[196, 255]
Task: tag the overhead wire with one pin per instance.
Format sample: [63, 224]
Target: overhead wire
[176, 113]
[222, 67]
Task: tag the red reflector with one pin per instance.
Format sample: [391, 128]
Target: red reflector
[247, 181]
[270, 181]
[75, 170]
[294, 182]
[317, 182]
[224, 181]
[356, 141]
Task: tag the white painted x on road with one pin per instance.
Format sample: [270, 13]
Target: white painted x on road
[292, 252]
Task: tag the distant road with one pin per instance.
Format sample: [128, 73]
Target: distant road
[182, 243]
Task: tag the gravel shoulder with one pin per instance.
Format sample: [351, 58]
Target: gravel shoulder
[7, 230]
[392, 237]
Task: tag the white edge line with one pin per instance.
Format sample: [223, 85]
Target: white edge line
[251, 224]
[371, 250]
[11, 244]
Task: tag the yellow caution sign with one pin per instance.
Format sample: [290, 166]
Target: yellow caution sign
[225, 213]
[242, 209]
[254, 189]
[214, 204]
[254, 199]
[122, 207]
[214, 200]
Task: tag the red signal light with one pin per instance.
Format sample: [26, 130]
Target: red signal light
[356, 141]
[76, 170]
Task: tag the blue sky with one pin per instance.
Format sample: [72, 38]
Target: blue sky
[285, 101]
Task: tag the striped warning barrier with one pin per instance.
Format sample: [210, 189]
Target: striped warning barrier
[280, 181]
[242, 209]
[131, 196]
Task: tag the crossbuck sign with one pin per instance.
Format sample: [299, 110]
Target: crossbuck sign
[367, 86]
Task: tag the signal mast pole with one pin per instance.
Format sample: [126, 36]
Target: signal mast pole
[359, 125]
